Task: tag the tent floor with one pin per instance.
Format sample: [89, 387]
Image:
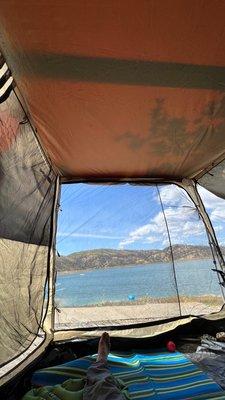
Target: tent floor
[187, 339]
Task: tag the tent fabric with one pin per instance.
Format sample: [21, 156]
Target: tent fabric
[121, 90]
[26, 212]
[214, 180]
[126, 90]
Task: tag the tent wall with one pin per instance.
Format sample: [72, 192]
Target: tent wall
[214, 180]
[27, 207]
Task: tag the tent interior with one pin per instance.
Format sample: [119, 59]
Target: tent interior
[112, 172]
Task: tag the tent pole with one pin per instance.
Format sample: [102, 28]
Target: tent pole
[49, 321]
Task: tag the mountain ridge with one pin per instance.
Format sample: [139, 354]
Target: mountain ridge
[107, 258]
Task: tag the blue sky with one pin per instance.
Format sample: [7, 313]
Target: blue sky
[130, 217]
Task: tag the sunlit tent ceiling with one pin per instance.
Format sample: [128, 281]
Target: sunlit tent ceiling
[121, 89]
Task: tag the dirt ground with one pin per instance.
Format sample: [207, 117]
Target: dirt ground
[124, 314]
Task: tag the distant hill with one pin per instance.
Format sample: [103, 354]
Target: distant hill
[105, 258]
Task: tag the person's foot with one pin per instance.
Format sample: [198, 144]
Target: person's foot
[103, 347]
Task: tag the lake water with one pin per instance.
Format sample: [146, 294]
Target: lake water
[194, 278]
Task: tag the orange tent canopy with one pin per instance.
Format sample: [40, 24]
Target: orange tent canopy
[131, 89]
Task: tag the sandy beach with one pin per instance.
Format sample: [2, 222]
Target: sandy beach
[125, 314]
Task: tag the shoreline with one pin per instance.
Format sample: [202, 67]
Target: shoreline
[109, 315]
[212, 300]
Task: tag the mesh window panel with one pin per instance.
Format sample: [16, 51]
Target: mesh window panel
[198, 286]
[115, 265]
[27, 185]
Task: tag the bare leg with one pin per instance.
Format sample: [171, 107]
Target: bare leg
[103, 348]
[101, 385]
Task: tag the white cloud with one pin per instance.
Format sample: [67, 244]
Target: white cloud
[215, 206]
[151, 239]
[193, 228]
[218, 214]
[218, 228]
[173, 195]
[183, 225]
[135, 235]
[210, 200]
[182, 217]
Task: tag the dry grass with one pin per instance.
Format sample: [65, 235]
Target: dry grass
[209, 300]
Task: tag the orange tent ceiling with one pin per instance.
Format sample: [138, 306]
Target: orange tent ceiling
[121, 89]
